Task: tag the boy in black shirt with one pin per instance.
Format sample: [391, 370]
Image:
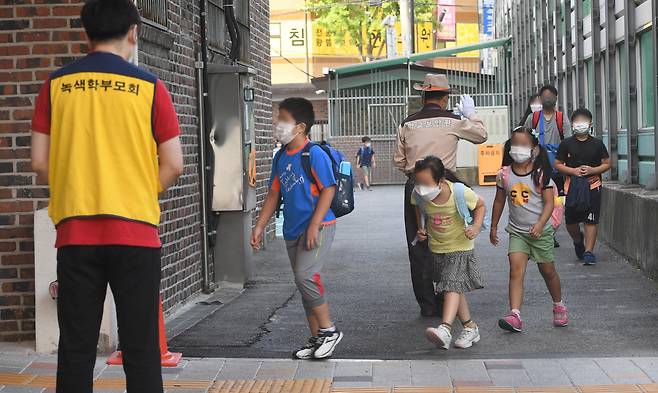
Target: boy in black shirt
[583, 156]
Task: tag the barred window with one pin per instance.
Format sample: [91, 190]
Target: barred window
[153, 10]
[217, 32]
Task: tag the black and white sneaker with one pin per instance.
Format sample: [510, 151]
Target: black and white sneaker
[326, 343]
[306, 352]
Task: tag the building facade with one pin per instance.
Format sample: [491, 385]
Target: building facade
[600, 55]
[35, 39]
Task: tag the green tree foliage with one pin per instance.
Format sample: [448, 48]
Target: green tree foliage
[353, 18]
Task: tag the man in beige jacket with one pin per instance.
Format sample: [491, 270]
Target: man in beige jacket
[432, 131]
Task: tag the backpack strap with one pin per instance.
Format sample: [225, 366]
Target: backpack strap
[535, 119]
[505, 170]
[306, 162]
[460, 202]
[559, 119]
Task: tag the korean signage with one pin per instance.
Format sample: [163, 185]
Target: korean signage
[468, 34]
[291, 38]
[446, 20]
[488, 18]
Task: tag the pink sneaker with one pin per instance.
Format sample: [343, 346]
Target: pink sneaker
[560, 316]
[511, 322]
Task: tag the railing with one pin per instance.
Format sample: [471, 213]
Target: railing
[153, 10]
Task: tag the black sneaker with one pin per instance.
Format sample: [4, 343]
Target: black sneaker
[306, 352]
[326, 344]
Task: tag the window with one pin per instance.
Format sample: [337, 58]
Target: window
[216, 25]
[587, 7]
[153, 10]
[622, 86]
[647, 76]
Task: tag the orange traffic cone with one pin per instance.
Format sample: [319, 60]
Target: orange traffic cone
[167, 359]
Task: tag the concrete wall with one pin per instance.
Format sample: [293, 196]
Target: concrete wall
[629, 219]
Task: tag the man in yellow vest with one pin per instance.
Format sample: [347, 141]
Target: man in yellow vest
[106, 138]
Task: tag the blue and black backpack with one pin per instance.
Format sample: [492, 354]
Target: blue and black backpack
[343, 202]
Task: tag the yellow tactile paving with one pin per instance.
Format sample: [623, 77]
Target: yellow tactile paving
[321, 386]
[15, 379]
[272, 386]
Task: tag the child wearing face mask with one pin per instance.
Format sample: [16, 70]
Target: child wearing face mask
[365, 159]
[525, 181]
[583, 156]
[452, 244]
[308, 222]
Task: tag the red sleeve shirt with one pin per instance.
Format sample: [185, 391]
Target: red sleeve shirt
[165, 121]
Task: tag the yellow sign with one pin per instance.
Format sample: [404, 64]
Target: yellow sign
[467, 34]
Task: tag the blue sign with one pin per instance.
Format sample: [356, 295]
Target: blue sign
[488, 18]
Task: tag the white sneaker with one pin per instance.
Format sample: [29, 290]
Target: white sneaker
[326, 344]
[440, 336]
[306, 352]
[468, 337]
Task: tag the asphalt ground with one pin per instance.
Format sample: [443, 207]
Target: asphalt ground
[613, 307]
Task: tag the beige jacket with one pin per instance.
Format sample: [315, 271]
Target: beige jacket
[434, 131]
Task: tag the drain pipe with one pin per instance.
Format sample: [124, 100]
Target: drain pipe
[201, 65]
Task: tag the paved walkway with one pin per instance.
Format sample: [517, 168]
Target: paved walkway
[26, 372]
[613, 307]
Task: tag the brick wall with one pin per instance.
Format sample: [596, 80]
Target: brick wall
[37, 38]
[34, 39]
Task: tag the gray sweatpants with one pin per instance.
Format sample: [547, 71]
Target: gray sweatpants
[306, 265]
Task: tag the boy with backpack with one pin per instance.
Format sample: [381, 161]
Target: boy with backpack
[552, 127]
[583, 159]
[365, 159]
[309, 221]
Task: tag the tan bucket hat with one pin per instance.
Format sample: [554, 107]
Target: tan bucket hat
[434, 82]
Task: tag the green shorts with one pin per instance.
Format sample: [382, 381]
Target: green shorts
[540, 250]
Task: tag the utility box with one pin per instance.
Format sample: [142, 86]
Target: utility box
[232, 138]
[490, 160]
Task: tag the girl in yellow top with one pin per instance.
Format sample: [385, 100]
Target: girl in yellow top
[451, 241]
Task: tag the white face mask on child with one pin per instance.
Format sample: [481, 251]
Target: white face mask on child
[536, 107]
[520, 154]
[581, 128]
[428, 193]
[284, 132]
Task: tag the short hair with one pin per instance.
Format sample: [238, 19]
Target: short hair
[550, 88]
[435, 95]
[106, 20]
[582, 112]
[366, 139]
[301, 110]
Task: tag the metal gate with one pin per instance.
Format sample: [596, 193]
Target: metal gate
[372, 99]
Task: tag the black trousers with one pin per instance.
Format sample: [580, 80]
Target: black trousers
[419, 258]
[133, 273]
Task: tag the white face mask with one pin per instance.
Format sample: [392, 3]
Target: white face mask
[428, 193]
[367, 144]
[581, 128]
[520, 154]
[284, 132]
[536, 107]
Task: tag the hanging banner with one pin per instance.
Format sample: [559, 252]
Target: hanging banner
[488, 18]
[467, 34]
[446, 20]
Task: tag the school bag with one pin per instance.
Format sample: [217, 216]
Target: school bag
[578, 194]
[462, 207]
[558, 207]
[551, 149]
[343, 202]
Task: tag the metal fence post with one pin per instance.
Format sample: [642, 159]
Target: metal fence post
[596, 58]
[654, 31]
[568, 48]
[630, 42]
[611, 87]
